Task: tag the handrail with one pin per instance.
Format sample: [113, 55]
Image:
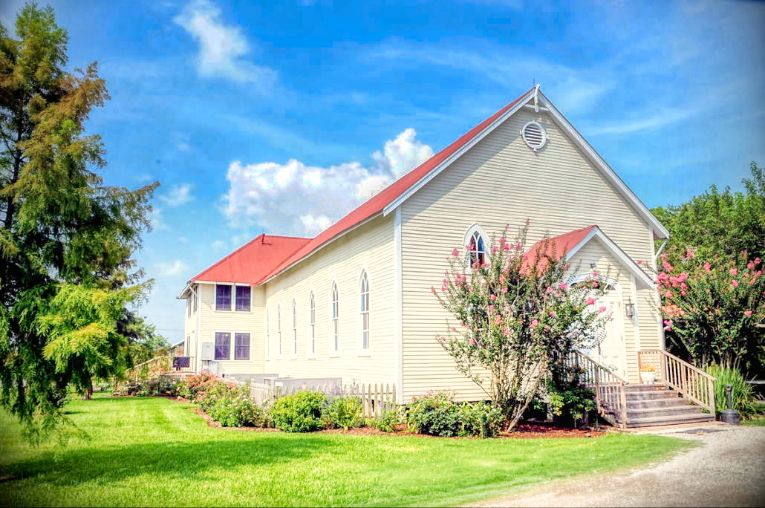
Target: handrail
[609, 387]
[688, 380]
[135, 372]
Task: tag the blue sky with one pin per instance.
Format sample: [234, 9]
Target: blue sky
[281, 116]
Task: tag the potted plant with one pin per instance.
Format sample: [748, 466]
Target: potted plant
[648, 374]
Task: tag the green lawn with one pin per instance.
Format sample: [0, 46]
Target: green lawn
[158, 452]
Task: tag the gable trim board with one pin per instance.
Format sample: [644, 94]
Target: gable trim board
[614, 249]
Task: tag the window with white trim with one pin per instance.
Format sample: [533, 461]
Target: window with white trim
[335, 318]
[279, 327]
[364, 309]
[243, 298]
[294, 327]
[312, 322]
[241, 346]
[475, 249]
[222, 297]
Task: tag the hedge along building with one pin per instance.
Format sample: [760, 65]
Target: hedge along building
[355, 302]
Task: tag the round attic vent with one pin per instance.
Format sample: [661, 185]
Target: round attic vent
[534, 135]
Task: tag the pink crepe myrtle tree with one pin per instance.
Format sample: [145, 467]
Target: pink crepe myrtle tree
[711, 309]
[516, 318]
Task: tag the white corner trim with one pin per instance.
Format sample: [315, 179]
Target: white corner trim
[456, 155]
[398, 319]
[622, 256]
[601, 164]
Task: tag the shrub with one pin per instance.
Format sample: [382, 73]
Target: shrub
[233, 407]
[299, 412]
[743, 396]
[388, 422]
[192, 387]
[344, 413]
[435, 414]
[480, 419]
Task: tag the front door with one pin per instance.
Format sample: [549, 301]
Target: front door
[611, 351]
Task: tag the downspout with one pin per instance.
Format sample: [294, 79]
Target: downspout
[194, 289]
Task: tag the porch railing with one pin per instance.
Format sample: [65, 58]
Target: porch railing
[610, 394]
[689, 381]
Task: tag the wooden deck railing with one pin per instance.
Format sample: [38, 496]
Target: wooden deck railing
[610, 394]
[691, 382]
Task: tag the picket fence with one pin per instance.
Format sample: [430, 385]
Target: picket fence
[375, 398]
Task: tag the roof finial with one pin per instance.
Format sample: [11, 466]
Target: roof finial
[263, 238]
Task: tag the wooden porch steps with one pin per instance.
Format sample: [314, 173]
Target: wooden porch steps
[657, 404]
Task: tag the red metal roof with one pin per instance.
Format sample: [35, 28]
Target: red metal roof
[252, 262]
[555, 247]
[379, 201]
[255, 262]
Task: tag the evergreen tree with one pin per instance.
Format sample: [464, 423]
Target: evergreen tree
[66, 273]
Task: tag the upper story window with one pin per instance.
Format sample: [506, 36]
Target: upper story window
[243, 298]
[195, 298]
[222, 297]
[294, 327]
[188, 306]
[222, 345]
[241, 346]
[312, 322]
[364, 309]
[475, 248]
[335, 318]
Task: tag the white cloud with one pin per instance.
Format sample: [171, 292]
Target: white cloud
[222, 47]
[295, 198]
[171, 269]
[177, 195]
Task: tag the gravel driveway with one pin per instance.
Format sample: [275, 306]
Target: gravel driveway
[727, 470]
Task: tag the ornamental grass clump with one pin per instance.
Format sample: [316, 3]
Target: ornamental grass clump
[742, 393]
[516, 317]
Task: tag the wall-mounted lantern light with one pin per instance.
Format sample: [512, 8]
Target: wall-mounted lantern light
[629, 309]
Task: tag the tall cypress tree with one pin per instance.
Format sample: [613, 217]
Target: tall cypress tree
[66, 273]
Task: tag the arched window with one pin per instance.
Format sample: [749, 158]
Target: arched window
[475, 248]
[364, 309]
[268, 337]
[312, 322]
[335, 318]
[294, 327]
[279, 327]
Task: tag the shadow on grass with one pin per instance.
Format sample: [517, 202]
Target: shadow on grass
[189, 460]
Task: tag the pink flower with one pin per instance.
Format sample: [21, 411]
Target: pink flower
[493, 298]
[472, 342]
[548, 290]
[750, 265]
[707, 267]
[667, 325]
[591, 301]
[748, 313]
[688, 253]
[667, 267]
[535, 323]
[553, 313]
[455, 252]
[735, 283]
[491, 309]
[562, 286]
[497, 320]
[757, 261]
[494, 249]
[734, 271]
[602, 309]
[432, 290]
